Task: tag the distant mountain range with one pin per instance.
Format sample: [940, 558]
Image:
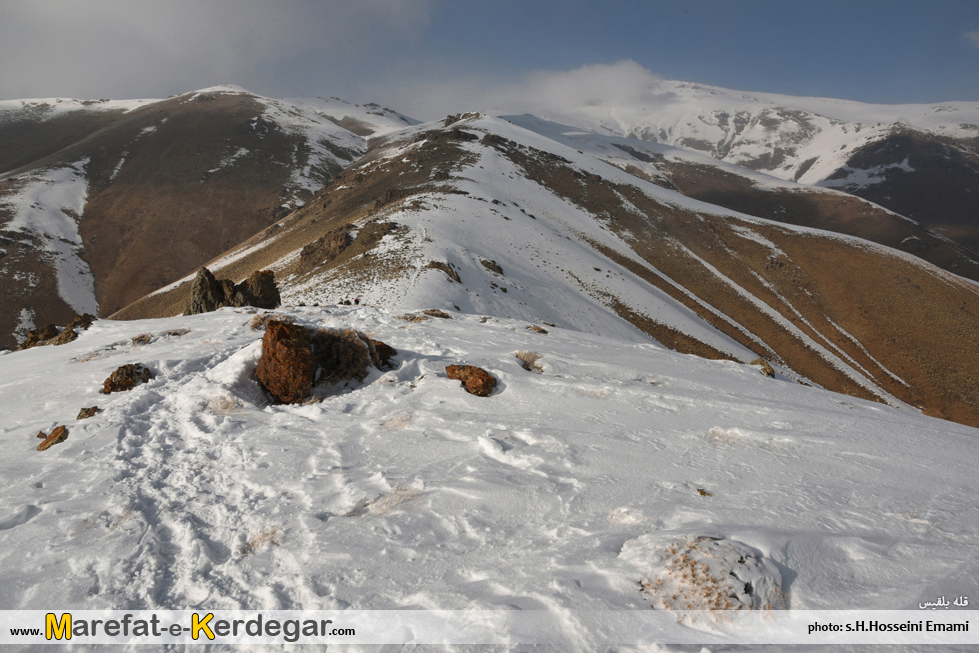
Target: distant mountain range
[721, 224]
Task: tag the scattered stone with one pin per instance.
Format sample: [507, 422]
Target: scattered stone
[176, 333]
[492, 266]
[60, 434]
[142, 339]
[435, 312]
[537, 329]
[412, 318]
[126, 378]
[287, 366]
[209, 294]
[475, 380]
[85, 413]
[704, 493]
[766, 369]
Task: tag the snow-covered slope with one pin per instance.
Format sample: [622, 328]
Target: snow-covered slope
[364, 119]
[805, 139]
[481, 216]
[920, 161]
[560, 492]
[703, 177]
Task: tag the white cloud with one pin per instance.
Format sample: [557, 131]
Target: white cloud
[625, 83]
[120, 48]
[974, 37]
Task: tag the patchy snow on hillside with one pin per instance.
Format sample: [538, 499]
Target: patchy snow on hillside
[48, 206]
[570, 491]
[794, 138]
[379, 120]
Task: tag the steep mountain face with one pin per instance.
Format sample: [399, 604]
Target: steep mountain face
[481, 216]
[102, 202]
[740, 189]
[921, 161]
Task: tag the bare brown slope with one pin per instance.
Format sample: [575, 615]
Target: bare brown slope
[28, 135]
[820, 210]
[906, 319]
[171, 185]
[847, 314]
[941, 190]
[356, 199]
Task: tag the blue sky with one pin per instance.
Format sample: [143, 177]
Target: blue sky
[420, 55]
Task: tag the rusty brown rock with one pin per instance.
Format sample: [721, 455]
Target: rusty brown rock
[59, 434]
[287, 365]
[85, 413]
[475, 380]
[126, 378]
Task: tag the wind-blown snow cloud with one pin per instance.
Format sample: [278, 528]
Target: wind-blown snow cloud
[973, 37]
[541, 92]
[145, 48]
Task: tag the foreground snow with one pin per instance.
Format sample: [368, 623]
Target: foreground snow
[560, 492]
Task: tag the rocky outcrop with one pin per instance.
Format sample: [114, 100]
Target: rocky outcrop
[37, 336]
[475, 380]
[209, 294]
[126, 378]
[287, 366]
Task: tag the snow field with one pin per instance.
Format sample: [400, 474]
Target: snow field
[561, 492]
[49, 206]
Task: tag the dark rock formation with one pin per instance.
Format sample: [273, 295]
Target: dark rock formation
[206, 294]
[287, 365]
[209, 294]
[258, 290]
[475, 380]
[126, 378]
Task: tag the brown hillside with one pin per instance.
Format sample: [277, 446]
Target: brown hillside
[844, 313]
[171, 185]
